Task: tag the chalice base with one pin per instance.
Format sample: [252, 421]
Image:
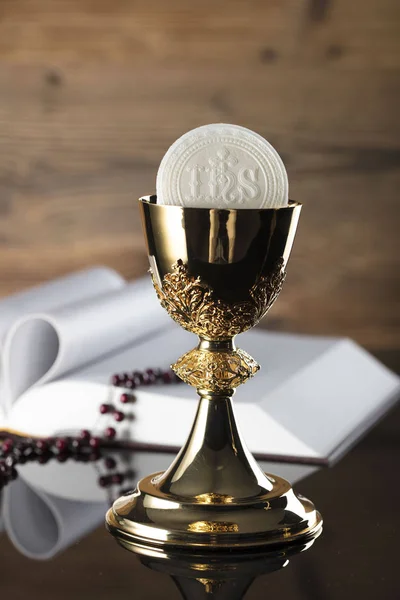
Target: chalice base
[150, 518]
[214, 497]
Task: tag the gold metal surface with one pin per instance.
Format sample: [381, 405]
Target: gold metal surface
[192, 303]
[216, 272]
[210, 586]
[213, 527]
[221, 575]
[214, 370]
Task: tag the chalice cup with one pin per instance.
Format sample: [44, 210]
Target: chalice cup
[216, 272]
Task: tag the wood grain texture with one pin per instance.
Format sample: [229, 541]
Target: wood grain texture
[93, 93]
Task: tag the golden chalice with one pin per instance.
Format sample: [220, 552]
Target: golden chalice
[216, 272]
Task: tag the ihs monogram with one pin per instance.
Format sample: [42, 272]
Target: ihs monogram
[220, 181]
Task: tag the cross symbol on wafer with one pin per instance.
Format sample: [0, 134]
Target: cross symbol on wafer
[222, 166]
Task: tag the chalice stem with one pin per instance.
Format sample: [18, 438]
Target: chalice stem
[214, 465]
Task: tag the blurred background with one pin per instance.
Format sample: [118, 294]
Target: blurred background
[92, 93]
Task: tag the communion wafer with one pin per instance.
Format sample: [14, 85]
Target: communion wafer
[222, 166]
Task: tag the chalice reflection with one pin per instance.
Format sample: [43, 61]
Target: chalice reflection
[220, 575]
[216, 272]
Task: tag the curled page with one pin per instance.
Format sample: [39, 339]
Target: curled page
[44, 346]
[41, 525]
[68, 290]
[59, 292]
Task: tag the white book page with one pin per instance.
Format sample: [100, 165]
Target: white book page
[44, 346]
[82, 286]
[3, 418]
[312, 396]
[41, 525]
[58, 292]
[335, 398]
[65, 407]
[70, 404]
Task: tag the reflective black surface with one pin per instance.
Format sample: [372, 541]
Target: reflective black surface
[356, 556]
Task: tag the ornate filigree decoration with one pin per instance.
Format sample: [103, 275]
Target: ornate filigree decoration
[213, 527]
[213, 498]
[192, 303]
[215, 371]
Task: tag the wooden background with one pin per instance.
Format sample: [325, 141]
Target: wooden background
[92, 93]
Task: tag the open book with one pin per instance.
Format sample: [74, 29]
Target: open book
[60, 343]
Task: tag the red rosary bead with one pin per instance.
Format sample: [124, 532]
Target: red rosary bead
[167, 377]
[115, 380]
[93, 456]
[104, 481]
[117, 478]
[61, 444]
[137, 377]
[151, 376]
[42, 445]
[44, 458]
[7, 446]
[110, 463]
[110, 433]
[119, 416]
[94, 442]
[125, 398]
